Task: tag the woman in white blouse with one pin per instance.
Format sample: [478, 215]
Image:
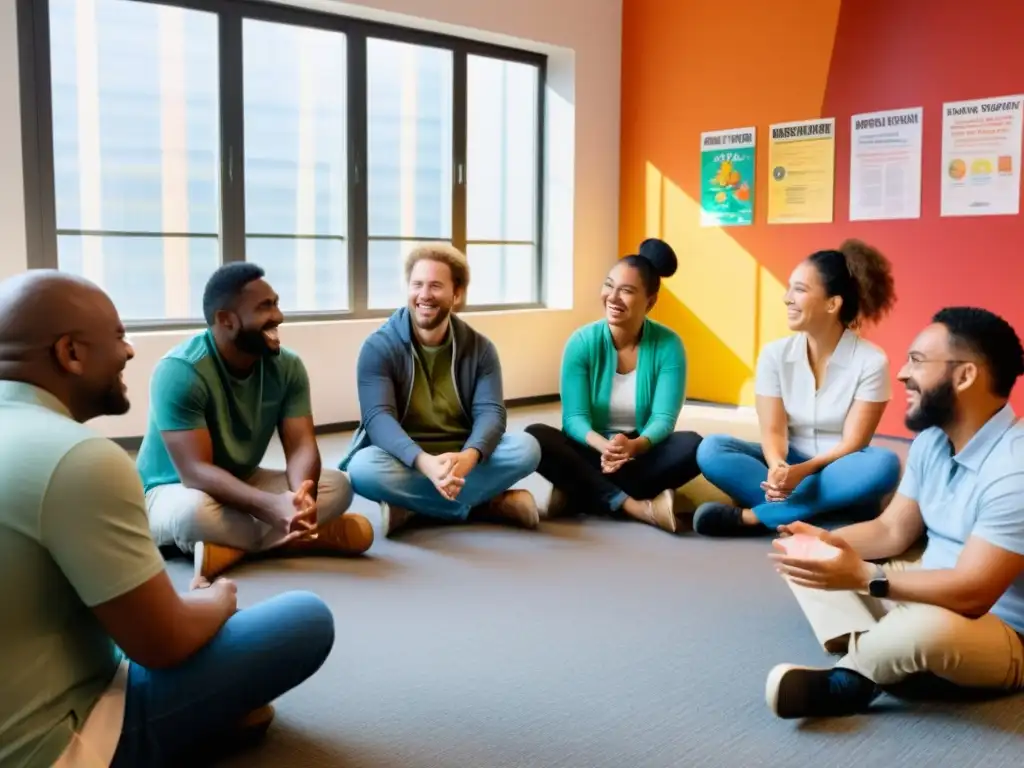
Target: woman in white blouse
[820, 395]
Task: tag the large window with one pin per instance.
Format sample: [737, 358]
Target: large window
[164, 139]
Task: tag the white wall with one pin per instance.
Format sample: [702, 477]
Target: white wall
[583, 39]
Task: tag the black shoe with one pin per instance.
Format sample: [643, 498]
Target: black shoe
[713, 518]
[794, 692]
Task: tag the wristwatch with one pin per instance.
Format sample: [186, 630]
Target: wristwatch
[878, 586]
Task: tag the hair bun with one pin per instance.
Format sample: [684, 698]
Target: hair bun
[660, 255]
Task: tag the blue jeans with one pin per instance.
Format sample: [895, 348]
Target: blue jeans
[260, 653]
[379, 476]
[857, 481]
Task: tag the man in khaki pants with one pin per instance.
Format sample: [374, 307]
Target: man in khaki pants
[216, 401]
[958, 614]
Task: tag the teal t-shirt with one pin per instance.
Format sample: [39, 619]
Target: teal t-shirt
[192, 388]
[73, 535]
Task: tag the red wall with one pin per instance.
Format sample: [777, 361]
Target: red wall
[885, 54]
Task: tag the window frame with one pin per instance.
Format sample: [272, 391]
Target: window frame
[38, 160]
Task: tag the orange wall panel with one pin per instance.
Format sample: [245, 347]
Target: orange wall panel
[696, 65]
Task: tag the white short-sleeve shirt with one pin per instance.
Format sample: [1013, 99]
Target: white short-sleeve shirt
[857, 370]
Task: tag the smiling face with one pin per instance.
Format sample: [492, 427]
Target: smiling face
[623, 295]
[432, 293]
[928, 376]
[96, 356]
[807, 304]
[256, 330]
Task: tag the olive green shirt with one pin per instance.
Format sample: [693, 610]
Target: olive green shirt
[435, 418]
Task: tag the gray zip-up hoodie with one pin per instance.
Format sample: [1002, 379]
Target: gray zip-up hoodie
[385, 373]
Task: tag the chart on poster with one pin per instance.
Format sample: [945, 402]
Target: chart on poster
[981, 148]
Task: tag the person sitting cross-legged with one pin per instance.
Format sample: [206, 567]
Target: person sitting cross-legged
[820, 396]
[623, 384]
[433, 440]
[952, 618]
[104, 663]
[216, 401]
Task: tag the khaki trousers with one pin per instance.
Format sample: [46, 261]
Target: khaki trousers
[184, 516]
[887, 641]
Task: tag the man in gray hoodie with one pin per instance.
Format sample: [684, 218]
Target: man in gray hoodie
[432, 437]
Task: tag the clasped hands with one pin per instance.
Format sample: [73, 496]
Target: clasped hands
[447, 471]
[295, 513]
[617, 451]
[782, 479]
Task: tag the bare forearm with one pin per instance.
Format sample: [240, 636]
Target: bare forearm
[944, 588]
[596, 441]
[201, 618]
[775, 447]
[304, 464]
[822, 460]
[871, 540]
[225, 488]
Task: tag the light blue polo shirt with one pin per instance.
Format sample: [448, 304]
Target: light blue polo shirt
[978, 492]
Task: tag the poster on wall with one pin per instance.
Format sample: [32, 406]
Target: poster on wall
[802, 159]
[981, 157]
[727, 177]
[885, 165]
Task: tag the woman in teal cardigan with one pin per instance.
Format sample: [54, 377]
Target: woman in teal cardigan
[623, 386]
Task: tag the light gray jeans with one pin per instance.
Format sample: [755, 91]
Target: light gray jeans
[184, 516]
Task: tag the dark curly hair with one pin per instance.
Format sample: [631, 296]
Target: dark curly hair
[990, 337]
[861, 276]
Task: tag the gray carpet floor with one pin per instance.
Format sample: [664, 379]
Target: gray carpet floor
[586, 644]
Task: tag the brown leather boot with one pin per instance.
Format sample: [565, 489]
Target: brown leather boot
[517, 507]
[348, 534]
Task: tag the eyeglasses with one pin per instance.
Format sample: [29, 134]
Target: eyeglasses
[915, 361]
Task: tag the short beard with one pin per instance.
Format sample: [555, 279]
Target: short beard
[442, 315]
[252, 342]
[113, 402]
[936, 408]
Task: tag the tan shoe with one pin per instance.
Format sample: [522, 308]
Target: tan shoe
[258, 720]
[662, 511]
[517, 507]
[211, 560]
[558, 504]
[392, 518]
[348, 534]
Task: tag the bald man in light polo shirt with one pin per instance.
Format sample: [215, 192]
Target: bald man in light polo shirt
[956, 616]
[103, 663]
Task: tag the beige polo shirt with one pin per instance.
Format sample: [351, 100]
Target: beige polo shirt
[857, 370]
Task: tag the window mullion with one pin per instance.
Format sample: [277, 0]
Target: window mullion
[358, 221]
[232, 137]
[459, 140]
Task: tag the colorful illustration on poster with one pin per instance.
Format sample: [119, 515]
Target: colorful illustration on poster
[727, 177]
